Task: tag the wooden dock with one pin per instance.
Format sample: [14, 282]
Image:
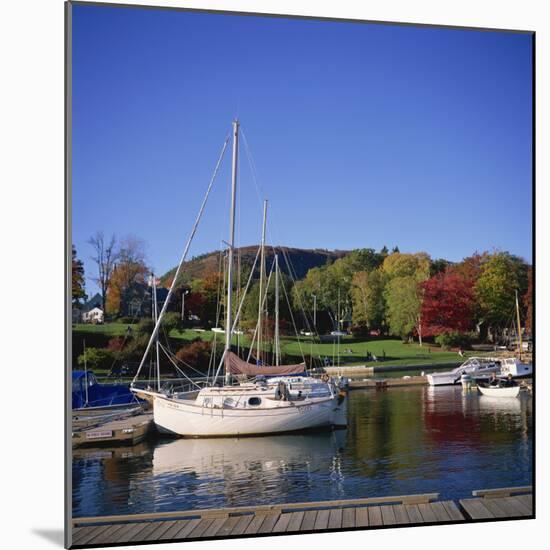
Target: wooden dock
[382, 383]
[312, 517]
[128, 430]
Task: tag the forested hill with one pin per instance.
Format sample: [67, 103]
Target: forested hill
[301, 260]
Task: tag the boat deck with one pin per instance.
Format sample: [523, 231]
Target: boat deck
[424, 509]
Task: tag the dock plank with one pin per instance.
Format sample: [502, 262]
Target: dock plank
[475, 508]
[401, 516]
[493, 505]
[177, 525]
[282, 523]
[133, 533]
[108, 535]
[184, 531]
[439, 511]
[321, 521]
[362, 517]
[388, 515]
[427, 513]
[162, 527]
[348, 518]
[119, 533]
[527, 500]
[335, 519]
[255, 524]
[375, 515]
[228, 526]
[215, 526]
[309, 520]
[295, 522]
[242, 524]
[149, 528]
[513, 506]
[414, 513]
[89, 533]
[269, 522]
[199, 530]
[452, 509]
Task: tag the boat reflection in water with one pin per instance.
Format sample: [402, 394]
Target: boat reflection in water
[226, 468]
[399, 441]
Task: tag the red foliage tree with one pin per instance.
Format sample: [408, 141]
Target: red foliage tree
[448, 303]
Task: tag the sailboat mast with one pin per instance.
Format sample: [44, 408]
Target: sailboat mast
[155, 319]
[277, 358]
[262, 275]
[231, 238]
[519, 326]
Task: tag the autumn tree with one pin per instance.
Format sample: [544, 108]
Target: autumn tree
[105, 256]
[78, 284]
[448, 304]
[128, 281]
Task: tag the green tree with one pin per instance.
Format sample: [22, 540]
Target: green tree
[367, 293]
[78, 292]
[496, 286]
[403, 301]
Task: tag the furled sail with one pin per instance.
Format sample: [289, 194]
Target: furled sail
[235, 365]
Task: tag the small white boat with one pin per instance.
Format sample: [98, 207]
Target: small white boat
[499, 391]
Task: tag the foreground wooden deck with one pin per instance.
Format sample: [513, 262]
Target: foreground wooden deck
[301, 518]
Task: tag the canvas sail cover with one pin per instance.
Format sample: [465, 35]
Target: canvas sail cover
[235, 365]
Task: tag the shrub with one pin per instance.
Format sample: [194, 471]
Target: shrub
[171, 321]
[126, 320]
[145, 326]
[96, 359]
[196, 354]
[451, 339]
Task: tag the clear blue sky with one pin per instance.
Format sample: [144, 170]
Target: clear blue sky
[362, 135]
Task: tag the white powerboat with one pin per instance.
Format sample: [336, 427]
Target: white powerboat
[476, 367]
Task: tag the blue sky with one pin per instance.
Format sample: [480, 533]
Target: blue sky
[362, 135]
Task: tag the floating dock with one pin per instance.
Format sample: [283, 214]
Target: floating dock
[128, 430]
[312, 517]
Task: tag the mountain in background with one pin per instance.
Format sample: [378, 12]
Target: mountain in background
[300, 259]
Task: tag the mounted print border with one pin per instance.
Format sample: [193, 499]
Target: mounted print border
[244, 354]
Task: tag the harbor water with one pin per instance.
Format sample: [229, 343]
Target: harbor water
[399, 441]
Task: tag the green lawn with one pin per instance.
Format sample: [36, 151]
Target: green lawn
[396, 352]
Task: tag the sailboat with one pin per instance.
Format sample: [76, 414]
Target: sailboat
[258, 407]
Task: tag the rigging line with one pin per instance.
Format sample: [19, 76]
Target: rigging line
[293, 322]
[181, 361]
[259, 318]
[178, 369]
[184, 256]
[237, 316]
[253, 171]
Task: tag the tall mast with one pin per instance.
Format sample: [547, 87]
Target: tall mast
[231, 239]
[262, 275]
[519, 326]
[155, 319]
[277, 358]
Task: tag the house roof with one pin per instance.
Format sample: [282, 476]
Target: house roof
[94, 301]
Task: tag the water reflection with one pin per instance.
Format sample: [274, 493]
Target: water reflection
[399, 441]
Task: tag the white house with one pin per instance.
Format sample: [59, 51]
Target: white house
[95, 316]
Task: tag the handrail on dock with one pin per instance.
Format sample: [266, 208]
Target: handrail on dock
[503, 492]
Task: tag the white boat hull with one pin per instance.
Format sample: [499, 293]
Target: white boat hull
[500, 392]
[175, 416]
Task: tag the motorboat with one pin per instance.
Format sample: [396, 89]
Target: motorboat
[476, 367]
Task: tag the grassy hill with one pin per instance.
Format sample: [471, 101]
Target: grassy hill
[300, 259]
